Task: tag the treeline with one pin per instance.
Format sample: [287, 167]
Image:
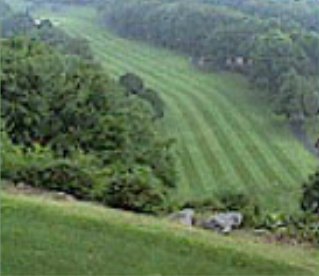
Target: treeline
[292, 13]
[36, 3]
[279, 56]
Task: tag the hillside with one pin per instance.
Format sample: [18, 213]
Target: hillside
[226, 138]
[45, 237]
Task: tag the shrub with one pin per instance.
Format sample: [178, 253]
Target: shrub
[60, 175]
[155, 101]
[136, 189]
[38, 167]
[301, 228]
[16, 159]
[310, 198]
[132, 83]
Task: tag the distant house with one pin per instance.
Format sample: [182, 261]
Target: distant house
[204, 62]
[229, 62]
[238, 63]
[37, 22]
[234, 63]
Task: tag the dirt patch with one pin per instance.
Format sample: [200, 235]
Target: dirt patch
[22, 188]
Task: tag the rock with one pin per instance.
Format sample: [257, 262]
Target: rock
[21, 186]
[223, 222]
[185, 217]
[260, 232]
[62, 196]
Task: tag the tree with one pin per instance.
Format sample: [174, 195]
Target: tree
[137, 190]
[310, 199]
[69, 105]
[310, 102]
[152, 97]
[289, 98]
[132, 83]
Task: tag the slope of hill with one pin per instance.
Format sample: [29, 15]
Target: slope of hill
[226, 140]
[45, 237]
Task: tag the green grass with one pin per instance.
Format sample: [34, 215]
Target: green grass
[227, 138]
[44, 237]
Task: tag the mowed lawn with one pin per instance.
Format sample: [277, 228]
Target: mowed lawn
[43, 237]
[226, 138]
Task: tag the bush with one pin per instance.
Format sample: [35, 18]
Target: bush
[155, 101]
[299, 228]
[310, 198]
[61, 175]
[84, 176]
[136, 189]
[16, 159]
[132, 83]
[38, 167]
[305, 228]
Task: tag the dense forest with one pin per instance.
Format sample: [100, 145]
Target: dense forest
[275, 45]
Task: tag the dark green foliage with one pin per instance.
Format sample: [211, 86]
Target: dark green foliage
[55, 99]
[154, 99]
[136, 189]
[298, 228]
[57, 38]
[60, 176]
[293, 12]
[132, 83]
[310, 102]
[264, 41]
[310, 199]
[289, 97]
[40, 167]
[70, 108]
[44, 31]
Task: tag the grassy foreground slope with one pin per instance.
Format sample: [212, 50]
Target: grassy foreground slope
[226, 139]
[45, 237]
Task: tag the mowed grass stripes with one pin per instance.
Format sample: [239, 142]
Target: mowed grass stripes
[226, 140]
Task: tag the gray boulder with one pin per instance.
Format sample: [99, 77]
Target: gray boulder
[185, 217]
[21, 186]
[62, 196]
[224, 222]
